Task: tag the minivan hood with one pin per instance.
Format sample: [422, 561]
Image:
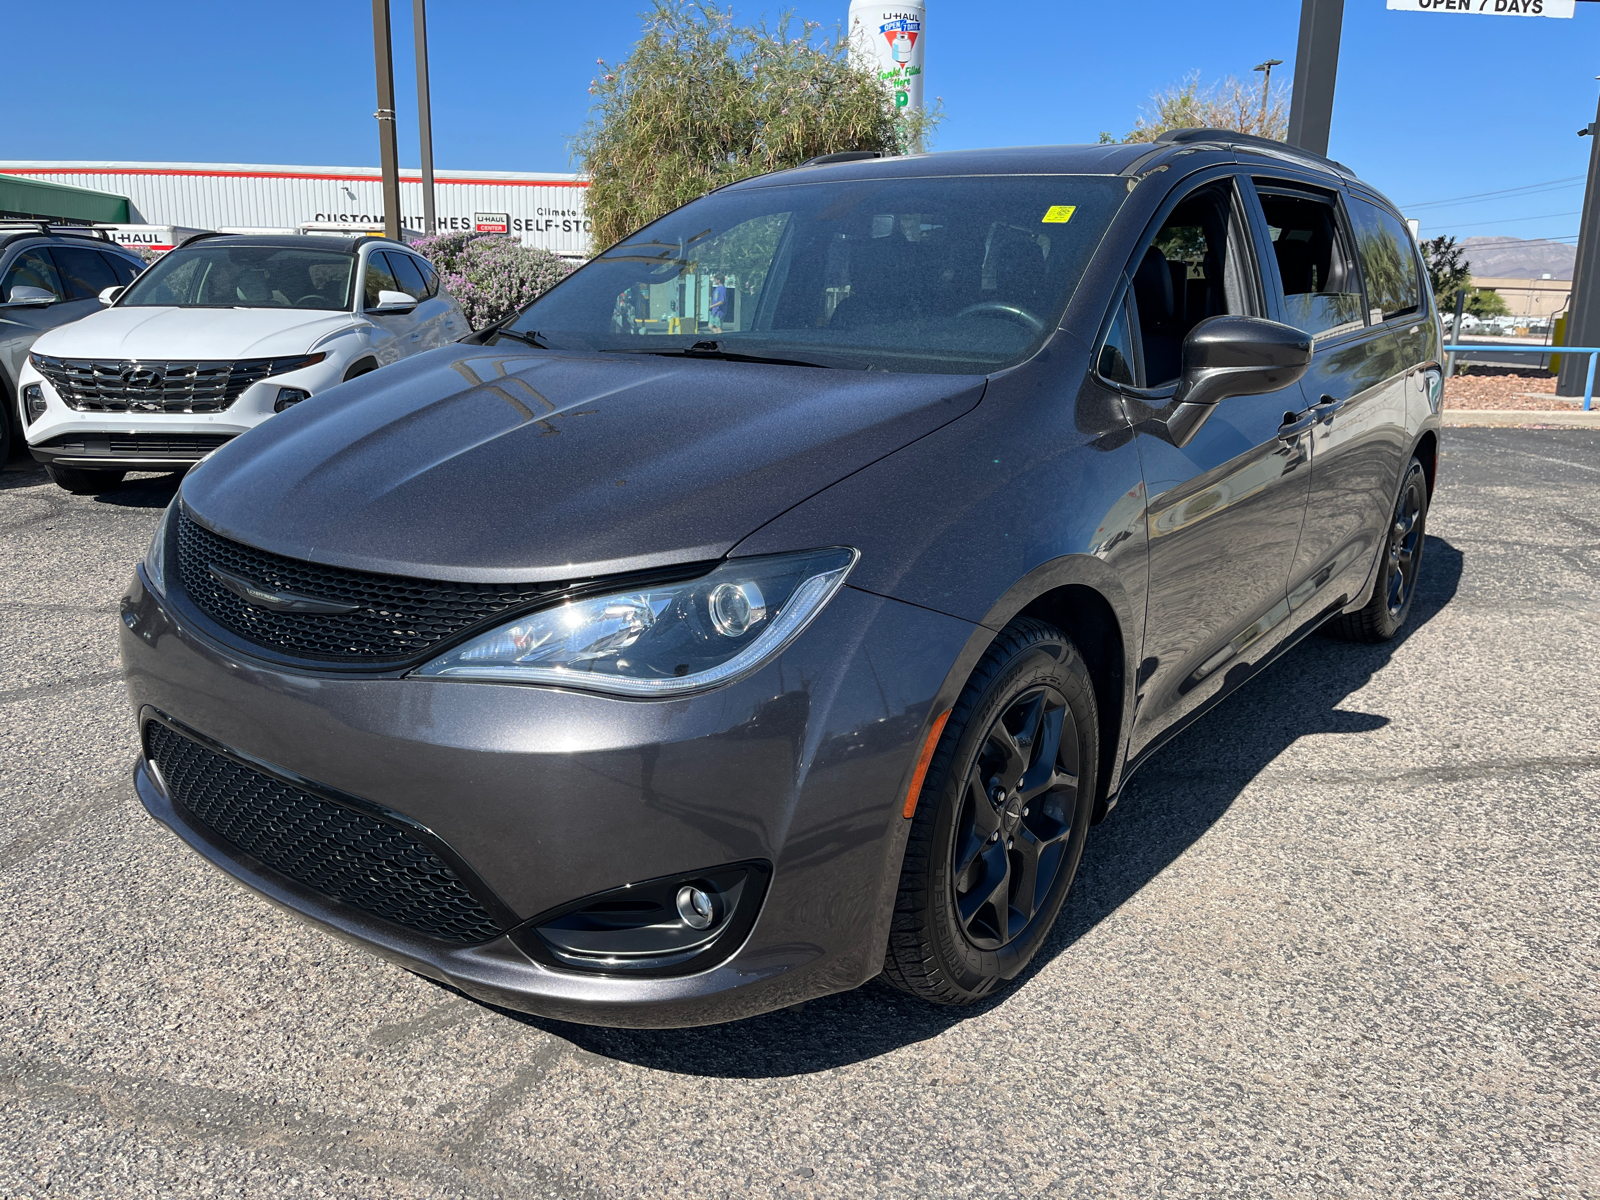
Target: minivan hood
[471, 463]
[215, 334]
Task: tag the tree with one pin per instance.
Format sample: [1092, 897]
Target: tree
[1448, 272]
[1231, 104]
[702, 102]
[1486, 302]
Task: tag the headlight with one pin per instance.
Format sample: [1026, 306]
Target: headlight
[659, 641]
[155, 558]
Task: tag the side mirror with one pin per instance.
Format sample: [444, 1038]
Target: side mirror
[394, 302]
[1233, 356]
[109, 295]
[24, 294]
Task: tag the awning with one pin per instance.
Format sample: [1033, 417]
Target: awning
[21, 196]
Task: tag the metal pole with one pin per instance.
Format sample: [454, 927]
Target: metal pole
[1455, 333]
[419, 13]
[389, 154]
[1583, 317]
[1316, 65]
[1266, 83]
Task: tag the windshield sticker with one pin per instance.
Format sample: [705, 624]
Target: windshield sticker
[1059, 214]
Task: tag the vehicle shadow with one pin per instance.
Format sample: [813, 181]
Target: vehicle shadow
[1165, 809]
[137, 491]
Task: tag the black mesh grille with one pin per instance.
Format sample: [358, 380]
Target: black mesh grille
[124, 385]
[341, 853]
[137, 445]
[396, 619]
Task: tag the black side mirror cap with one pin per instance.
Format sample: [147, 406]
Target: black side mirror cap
[1233, 356]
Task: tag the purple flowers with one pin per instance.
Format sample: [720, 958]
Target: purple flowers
[491, 275]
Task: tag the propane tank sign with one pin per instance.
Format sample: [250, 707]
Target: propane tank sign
[888, 37]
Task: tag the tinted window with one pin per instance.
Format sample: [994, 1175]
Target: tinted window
[379, 279]
[1198, 267]
[32, 268]
[84, 272]
[404, 269]
[952, 275]
[429, 276]
[215, 274]
[121, 267]
[1388, 263]
[1320, 291]
[1115, 362]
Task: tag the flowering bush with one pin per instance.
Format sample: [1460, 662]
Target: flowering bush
[491, 275]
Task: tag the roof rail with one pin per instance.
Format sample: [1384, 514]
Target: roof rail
[842, 156]
[1183, 137]
[197, 237]
[13, 228]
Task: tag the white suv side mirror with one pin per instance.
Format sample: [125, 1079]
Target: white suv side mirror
[394, 302]
[109, 295]
[22, 293]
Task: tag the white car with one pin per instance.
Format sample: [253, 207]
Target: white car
[214, 338]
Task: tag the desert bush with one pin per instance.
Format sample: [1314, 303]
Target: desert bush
[491, 275]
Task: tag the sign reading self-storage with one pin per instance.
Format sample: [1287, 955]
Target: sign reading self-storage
[1490, 8]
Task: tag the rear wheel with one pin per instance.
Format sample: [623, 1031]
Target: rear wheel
[1399, 567]
[1001, 822]
[83, 482]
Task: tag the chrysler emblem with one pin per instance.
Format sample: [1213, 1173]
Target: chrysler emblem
[142, 378]
[274, 599]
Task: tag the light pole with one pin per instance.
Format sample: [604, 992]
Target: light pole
[1583, 316]
[1266, 81]
[1316, 66]
[419, 15]
[388, 152]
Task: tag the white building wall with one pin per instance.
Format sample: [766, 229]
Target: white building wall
[545, 210]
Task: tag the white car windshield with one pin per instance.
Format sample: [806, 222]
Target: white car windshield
[945, 275]
[224, 276]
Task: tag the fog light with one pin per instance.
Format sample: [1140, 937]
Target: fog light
[289, 397]
[665, 926]
[33, 402]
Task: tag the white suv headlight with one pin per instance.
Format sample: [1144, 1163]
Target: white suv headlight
[663, 640]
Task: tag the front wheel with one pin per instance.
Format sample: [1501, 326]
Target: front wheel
[83, 482]
[1000, 826]
[1399, 566]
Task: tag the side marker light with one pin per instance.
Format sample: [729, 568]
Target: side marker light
[926, 757]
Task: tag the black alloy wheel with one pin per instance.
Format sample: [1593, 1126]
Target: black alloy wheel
[1001, 822]
[1399, 566]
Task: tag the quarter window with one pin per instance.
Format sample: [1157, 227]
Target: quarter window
[1388, 262]
[1115, 363]
[1321, 294]
[33, 268]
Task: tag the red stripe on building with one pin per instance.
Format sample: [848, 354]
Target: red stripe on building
[438, 180]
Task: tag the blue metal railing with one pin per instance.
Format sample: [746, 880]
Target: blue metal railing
[1489, 347]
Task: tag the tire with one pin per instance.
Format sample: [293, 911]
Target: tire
[83, 482]
[962, 925]
[1399, 567]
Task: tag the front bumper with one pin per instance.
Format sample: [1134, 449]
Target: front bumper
[549, 796]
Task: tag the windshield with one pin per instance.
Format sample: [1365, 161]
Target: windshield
[223, 276]
[945, 275]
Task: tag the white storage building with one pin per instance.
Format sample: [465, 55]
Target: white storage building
[543, 209]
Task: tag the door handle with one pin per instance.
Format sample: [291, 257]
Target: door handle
[1326, 408]
[1294, 426]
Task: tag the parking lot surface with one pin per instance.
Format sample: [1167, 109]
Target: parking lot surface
[1339, 939]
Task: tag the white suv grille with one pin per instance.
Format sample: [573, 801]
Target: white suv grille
[138, 386]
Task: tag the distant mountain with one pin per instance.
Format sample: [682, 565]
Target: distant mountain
[1516, 258]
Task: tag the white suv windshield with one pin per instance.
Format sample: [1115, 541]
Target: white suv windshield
[944, 275]
[223, 276]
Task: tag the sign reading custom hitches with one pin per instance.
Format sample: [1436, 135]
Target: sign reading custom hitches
[1490, 8]
[889, 37]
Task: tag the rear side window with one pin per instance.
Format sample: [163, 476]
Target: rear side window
[1321, 292]
[122, 268]
[379, 279]
[1388, 262]
[32, 268]
[430, 277]
[84, 272]
[404, 268]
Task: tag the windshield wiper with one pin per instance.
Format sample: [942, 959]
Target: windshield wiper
[527, 339]
[714, 351]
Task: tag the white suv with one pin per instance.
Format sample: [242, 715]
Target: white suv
[214, 338]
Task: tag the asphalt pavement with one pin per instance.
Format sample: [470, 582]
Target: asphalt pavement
[1339, 939]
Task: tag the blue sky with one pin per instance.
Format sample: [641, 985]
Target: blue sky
[1430, 106]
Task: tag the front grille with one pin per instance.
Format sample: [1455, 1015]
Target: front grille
[137, 445]
[128, 385]
[335, 851]
[396, 619]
